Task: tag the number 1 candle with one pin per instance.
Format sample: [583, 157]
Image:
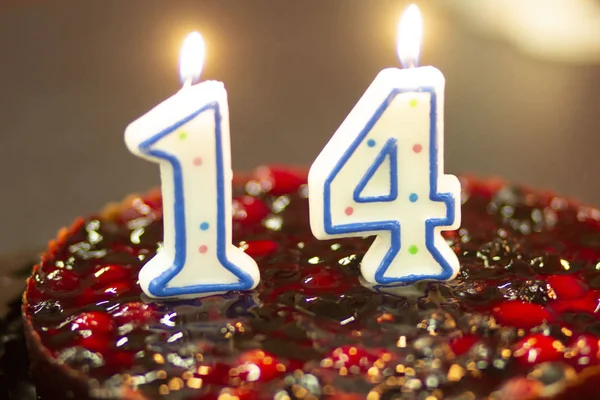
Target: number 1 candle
[188, 136]
[382, 173]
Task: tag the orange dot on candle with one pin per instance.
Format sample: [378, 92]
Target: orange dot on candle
[198, 161]
[203, 249]
[417, 148]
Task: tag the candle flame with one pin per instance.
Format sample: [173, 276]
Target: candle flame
[410, 34]
[191, 58]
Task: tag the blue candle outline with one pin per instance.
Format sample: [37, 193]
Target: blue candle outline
[158, 286]
[392, 225]
[390, 149]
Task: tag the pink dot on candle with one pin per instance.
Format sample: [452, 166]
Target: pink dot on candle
[417, 148]
[198, 161]
[349, 210]
[203, 249]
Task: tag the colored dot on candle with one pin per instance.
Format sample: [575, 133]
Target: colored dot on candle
[413, 197]
[183, 135]
[204, 226]
[413, 249]
[413, 102]
[349, 210]
[417, 148]
[198, 161]
[371, 143]
[203, 249]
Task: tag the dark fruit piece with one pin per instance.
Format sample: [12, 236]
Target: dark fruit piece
[567, 287]
[536, 349]
[258, 365]
[95, 321]
[95, 342]
[106, 274]
[260, 248]
[520, 314]
[62, 280]
[249, 210]
[584, 350]
[135, 312]
[463, 344]
[280, 180]
[320, 278]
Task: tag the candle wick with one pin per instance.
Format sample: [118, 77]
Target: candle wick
[188, 82]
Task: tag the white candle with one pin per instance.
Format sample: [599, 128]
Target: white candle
[382, 173]
[188, 136]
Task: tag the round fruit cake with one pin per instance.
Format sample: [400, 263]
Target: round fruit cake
[519, 322]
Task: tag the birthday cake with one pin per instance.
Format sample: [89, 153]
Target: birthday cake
[519, 322]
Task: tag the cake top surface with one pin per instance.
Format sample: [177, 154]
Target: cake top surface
[520, 320]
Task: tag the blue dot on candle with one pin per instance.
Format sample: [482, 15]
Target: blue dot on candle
[204, 226]
[371, 143]
[413, 197]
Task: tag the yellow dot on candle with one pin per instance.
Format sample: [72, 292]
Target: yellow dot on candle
[183, 135]
[413, 102]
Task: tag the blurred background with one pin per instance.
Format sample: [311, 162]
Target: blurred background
[522, 95]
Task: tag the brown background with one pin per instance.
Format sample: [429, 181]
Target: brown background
[74, 73]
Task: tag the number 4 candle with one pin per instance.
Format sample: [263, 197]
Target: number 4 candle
[188, 136]
[382, 173]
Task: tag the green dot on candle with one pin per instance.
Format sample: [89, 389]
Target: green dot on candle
[413, 102]
[413, 249]
[183, 135]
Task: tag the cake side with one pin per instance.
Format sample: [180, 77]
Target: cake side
[55, 380]
[520, 321]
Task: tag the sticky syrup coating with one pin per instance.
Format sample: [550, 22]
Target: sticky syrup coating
[520, 321]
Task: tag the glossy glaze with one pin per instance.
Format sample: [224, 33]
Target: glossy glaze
[520, 319]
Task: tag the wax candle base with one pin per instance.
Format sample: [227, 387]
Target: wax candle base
[406, 290]
[201, 284]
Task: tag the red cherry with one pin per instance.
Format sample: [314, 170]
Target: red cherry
[321, 278]
[239, 393]
[135, 312]
[520, 314]
[88, 296]
[520, 388]
[537, 348]
[96, 343]
[105, 274]
[346, 396]
[351, 356]
[94, 321]
[258, 365]
[139, 207]
[33, 294]
[217, 374]
[586, 254]
[123, 248]
[62, 280]
[121, 359]
[114, 290]
[567, 287]
[462, 344]
[260, 248]
[586, 304]
[584, 350]
[249, 210]
[282, 180]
